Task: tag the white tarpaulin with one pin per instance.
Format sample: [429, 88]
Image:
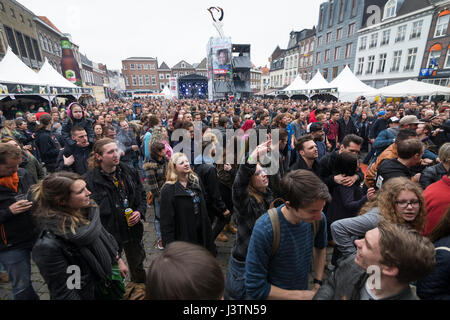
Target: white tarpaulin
[49, 76]
[13, 70]
[167, 93]
[412, 88]
[350, 87]
[297, 84]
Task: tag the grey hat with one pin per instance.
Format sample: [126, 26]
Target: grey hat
[409, 120]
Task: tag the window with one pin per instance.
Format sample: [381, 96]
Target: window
[360, 66]
[447, 60]
[337, 51]
[353, 8]
[319, 41]
[321, 18]
[139, 66]
[328, 37]
[11, 40]
[417, 29]
[127, 83]
[132, 66]
[373, 40]
[21, 18]
[22, 50]
[327, 55]
[335, 72]
[175, 74]
[330, 17]
[433, 59]
[348, 50]
[11, 11]
[311, 46]
[371, 62]
[147, 80]
[412, 53]
[351, 29]
[133, 79]
[124, 67]
[317, 58]
[30, 24]
[302, 49]
[386, 37]
[390, 9]
[441, 26]
[36, 49]
[55, 47]
[382, 63]
[2, 7]
[152, 66]
[29, 47]
[396, 61]
[363, 43]
[145, 66]
[153, 81]
[161, 76]
[401, 32]
[161, 86]
[339, 34]
[325, 73]
[341, 10]
[183, 65]
[181, 74]
[168, 76]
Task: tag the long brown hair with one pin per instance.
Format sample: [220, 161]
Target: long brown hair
[386, 202]
[442, 229]
[51, 196]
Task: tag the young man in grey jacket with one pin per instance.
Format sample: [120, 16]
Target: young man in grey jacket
[388, 259]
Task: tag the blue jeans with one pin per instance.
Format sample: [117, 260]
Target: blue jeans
[157, 217]
[235, 283]
[17, 263]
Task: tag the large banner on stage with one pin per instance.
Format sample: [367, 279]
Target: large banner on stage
[220, 51]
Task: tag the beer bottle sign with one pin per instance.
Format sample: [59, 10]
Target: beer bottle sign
[69, 64]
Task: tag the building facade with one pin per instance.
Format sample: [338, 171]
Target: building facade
[307, 45]
[18, 31]
[50, 40]
[164, 74]
[436, 60]
[141, 73]
[336, 36]
[182, 68]
[277, 68]
[255, 79]
[265, 78]
[392, 51]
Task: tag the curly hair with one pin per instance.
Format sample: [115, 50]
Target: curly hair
[386, 202]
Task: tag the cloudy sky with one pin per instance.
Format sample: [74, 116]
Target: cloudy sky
[109, 31]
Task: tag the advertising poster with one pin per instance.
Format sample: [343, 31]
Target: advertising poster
[221, 55]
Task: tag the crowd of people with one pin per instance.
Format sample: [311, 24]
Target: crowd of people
[371, 180]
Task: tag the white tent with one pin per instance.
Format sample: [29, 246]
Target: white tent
[167, 93]
[412, 88]
[13, 70]
[317, 82]
[350, 87]
[51, 77]
[297, 84]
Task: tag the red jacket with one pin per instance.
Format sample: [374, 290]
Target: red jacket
[437, 201]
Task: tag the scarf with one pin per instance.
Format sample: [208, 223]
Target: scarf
[94, 244]
[11, 182]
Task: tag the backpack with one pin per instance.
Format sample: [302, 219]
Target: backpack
[273, 215]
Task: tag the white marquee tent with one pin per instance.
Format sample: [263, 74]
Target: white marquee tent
[350, 87]
[412, 88]
[51, 77]
[13, 70]
[318, 82]
[297, 84]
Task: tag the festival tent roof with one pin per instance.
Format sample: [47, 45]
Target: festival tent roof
[412, 88]
[13, 70]
[317, 82]
[350, 87]
[49, 76]
[297, 84]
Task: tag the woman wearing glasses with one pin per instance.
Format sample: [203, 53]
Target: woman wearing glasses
[398, 201]
[183, 213]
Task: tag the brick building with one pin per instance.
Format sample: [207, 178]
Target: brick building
[182, 68]
[141, 73]
[50, 39]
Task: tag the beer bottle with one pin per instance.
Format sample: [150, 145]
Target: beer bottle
[69, 64]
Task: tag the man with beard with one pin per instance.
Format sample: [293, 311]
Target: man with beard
[307, 150]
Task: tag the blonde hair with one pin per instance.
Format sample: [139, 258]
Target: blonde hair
[386, 202]
[172, 176]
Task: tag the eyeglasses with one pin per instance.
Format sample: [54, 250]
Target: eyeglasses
[405, 204]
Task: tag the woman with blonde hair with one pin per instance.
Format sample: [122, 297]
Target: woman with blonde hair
[72, 235]
[398, 201]
[184, 216]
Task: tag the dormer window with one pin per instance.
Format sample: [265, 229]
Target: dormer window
[183, 65]
[390, 9]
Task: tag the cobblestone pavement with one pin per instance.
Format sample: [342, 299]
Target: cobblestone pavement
[223, 254]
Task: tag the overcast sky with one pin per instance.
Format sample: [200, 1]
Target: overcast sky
[109, 31]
